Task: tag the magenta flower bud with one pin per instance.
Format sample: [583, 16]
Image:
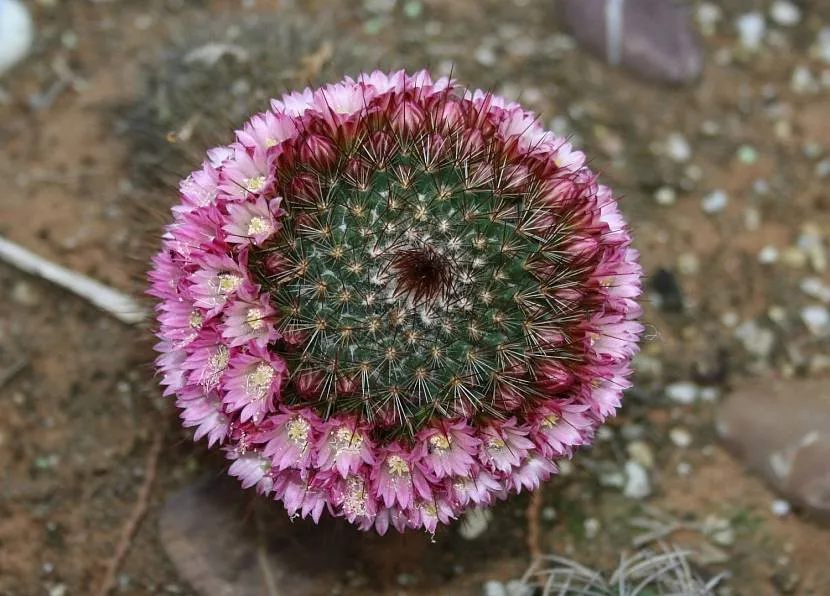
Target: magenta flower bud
[393, 299]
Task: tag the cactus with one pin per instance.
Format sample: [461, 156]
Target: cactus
[394, 298]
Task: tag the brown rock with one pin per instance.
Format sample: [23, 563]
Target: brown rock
[781, 429]
[651, 38]
[228, 542]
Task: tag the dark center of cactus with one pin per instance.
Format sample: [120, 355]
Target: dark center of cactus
[419, 273]
[422, 273]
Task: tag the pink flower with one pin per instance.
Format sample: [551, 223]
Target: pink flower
[252, 383]
[251, 468]
[396, 481]
[250, 319]
[503, 447]
[206, 414]
[252, 222]
[289, 443]
[448, 450]
[344, 448]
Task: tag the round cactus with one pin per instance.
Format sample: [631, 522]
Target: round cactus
[393, 298]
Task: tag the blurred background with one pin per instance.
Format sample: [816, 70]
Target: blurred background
[710, 119]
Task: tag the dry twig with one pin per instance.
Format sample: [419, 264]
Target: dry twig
[116, 303]
[534, 541]
[142, 503]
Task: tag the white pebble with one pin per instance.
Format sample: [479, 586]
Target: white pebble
[708, 16]
[592, 527]
[751, 29]
[665, 195]
[730, 319]
[677, 147]
[680, 437]
[641, 452]
[494, 588]
[816, 318]
[682, 393]
[815, 288]
[780, 508]
[688, 263]
[16, 33]
[768, 255]
[517, 587]
[785, 13]
[803, 81]
[715, 202]
[684, 469]
[485, 56]
[757, 340]
[474, 523]
[637, 484]
[709, 394]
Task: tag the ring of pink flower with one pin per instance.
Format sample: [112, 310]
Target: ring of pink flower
[216, 323]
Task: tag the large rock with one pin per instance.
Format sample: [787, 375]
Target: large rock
[225, 541]
[651, 38]
[781, 429]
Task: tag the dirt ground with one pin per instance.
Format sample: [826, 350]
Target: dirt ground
[78, 405]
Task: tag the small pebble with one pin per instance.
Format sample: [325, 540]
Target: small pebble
[494, 588]
[752, 219]
[16, 33]
[823, 168]
[680, 437]
[485, 56]
[684, 469]
[566, 467]
[785, 13]
[684, 393]
[802, 81]
[816, 318]
[709, 394]
[768, 255]
[730, 319]
[715, 202]
[747, 154]
[719, 530]
[780, 508]
[778, 315]
[23, 293]
[665, 196]
[516, 587]
[708, 17]
[678, 148]
[641, 452]
[637, 485]
[413, 9]
[591, 527]
[756, 340]
[751, 29]
[815, 288]
[474, 523]
[688, 263]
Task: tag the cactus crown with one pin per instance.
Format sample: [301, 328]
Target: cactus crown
[419, 265]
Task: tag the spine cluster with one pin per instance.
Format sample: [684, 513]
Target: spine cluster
[392, 298]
